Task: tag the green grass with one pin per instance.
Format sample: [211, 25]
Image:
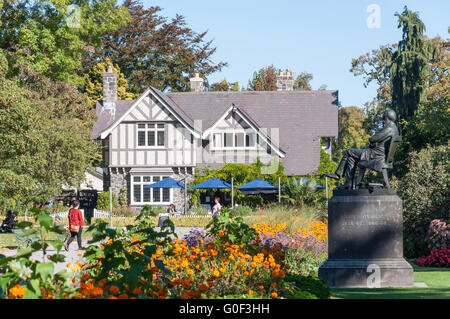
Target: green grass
[437, 280]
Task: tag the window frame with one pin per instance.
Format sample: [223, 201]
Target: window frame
[234, 133]
[156, 129]
[141, 184]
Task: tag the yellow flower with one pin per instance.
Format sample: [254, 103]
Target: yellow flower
[190, 272]
[216, 273]
[17, 291]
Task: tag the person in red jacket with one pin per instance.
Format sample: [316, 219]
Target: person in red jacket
[75, 219]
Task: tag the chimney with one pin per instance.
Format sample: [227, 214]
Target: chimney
[196, 83]
[109, 89]
[285, 81]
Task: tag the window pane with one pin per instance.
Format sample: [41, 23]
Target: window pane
[161, 138]
[151, 138]
[166, 195]
[160, 126]
[141, 125]
[151, 126]
[250, 140]
[147, 179]
[141, 138]
[156, 191]
[228, 140]
[147, 198]
[137, 193]
[217, 140]
[239, 140]
[136, 179]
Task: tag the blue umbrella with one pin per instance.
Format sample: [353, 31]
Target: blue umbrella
[212, 183]
[258, 186]
[168, 182]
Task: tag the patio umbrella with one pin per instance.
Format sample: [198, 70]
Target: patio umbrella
[169, 182]
[258, 186]
[212, 183]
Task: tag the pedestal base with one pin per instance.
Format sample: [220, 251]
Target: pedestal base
[365, 273]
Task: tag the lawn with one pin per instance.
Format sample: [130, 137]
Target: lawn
[437, 280]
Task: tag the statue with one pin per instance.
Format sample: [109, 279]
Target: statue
[373, 157]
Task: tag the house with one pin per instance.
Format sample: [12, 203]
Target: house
[170, 134]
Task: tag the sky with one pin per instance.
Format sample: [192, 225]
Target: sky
[318, 37]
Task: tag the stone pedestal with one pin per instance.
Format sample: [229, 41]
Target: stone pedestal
[365, 240]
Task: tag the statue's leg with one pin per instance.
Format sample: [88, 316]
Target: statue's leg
[362, 171]
[352, 159]
[386, 178]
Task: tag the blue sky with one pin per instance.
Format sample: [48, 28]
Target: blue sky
[319, 37]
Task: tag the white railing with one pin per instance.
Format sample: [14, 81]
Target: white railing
[105, 214]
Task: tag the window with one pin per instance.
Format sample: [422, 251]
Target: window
[238, 140]
[143, 195]
[151, 134]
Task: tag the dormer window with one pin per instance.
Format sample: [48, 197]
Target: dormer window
[234, 140]
[151, 135]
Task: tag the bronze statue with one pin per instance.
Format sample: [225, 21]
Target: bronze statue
[373, 157]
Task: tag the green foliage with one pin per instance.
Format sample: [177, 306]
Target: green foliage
[225, 228]
[31, 274]
[153, 50]
[45, 129]
[263, 80]
[224, 86]
[124, 211]
[302, 83]
[425, 194]
[198, 210]
[241, 211]
[311, 285]
[48, 37]
[302, 192]
[103, 201]
[123, 196]
[438, 234]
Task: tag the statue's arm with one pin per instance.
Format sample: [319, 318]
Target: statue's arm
[380, 136]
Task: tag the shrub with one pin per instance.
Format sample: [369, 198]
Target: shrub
[438, 234]
[198, 210]
[123, 196]
[437, 258]
[103, 201]
[425, 194]
[241, 211]
[124, 211]
[312, 285]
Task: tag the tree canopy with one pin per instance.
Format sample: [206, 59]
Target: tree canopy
[153, 50]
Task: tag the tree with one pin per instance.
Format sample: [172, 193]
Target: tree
[264, 80]
[224, 86]
[150, 50]
[51, 38]
[409, 66]
[45, 131]
[93, 83]
[302, 83]
[352, 131]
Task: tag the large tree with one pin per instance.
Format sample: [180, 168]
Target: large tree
[302, 83]
[45, 130]
[352, 131]
[151, 50]
[52, 37]
[410, 65]
[224, 86]
[265, 79]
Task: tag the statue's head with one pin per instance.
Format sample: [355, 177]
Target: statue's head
[389, 115]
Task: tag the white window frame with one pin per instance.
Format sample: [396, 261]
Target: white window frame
[234, 147]
[141, 184]
[154, 129]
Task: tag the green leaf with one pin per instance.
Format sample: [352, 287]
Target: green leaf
[23, 225]
[45, 220]
[57, 244]
[36, 286]
[57, 258]
[161, 266]
[45, 270]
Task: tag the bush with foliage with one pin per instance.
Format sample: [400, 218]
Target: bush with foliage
[426, 196]
[125, 211]
[103, 201]
[439, 257]
[302, 192]
[438, 234]
[312, 285]
[241, 211]
[123, 196]
[200, 211]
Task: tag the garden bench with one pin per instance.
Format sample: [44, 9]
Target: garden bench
[388, 164]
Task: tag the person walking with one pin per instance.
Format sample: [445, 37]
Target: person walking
[76, 224]
[217, 207]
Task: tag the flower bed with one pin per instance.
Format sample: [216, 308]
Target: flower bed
[230, 260]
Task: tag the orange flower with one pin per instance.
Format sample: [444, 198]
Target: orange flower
[85, 277]
[97, 291]
[17, 291]
[221, 233]
[123, 296]
[114, 289]
[274, 295]
[137, 291]
[222, 270]
[216, 273]
[202, 287]
[250, 292]
[190, 272]
[261, 287]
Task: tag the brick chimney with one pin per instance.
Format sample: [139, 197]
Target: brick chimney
[109, 89]
[196, 83]
[285, 81]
